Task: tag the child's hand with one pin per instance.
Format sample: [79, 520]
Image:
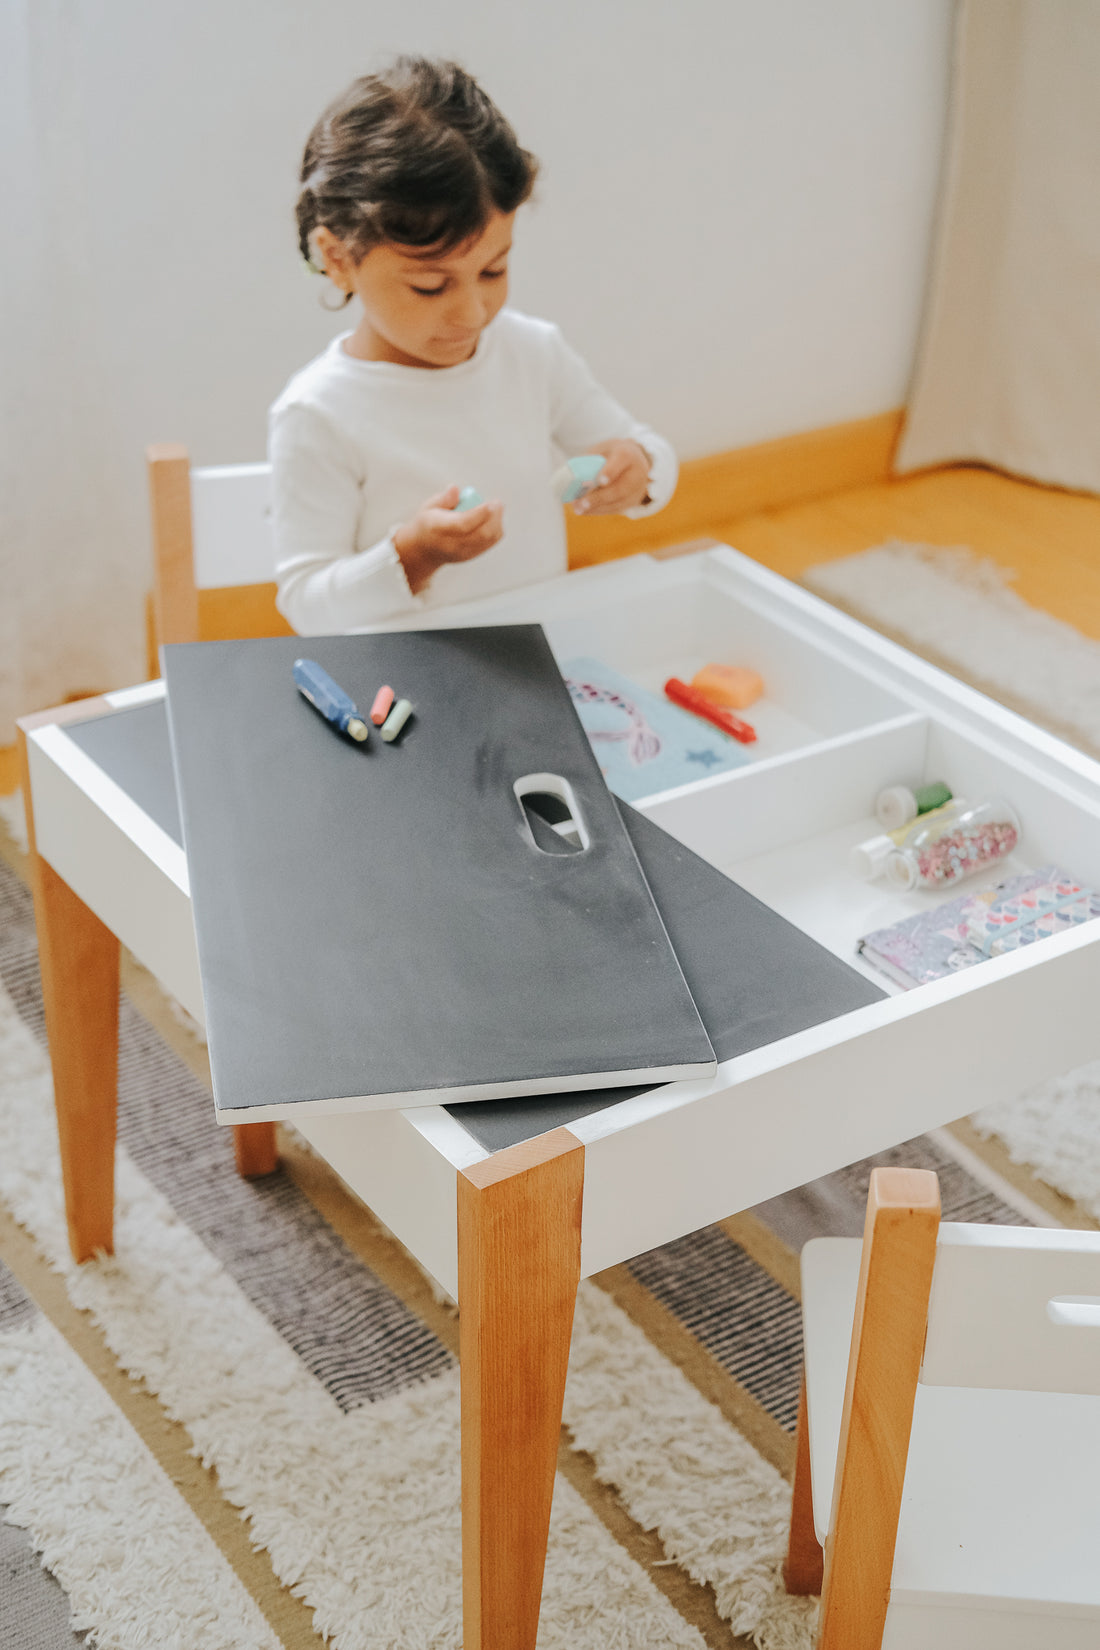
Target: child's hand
[623, 482]
[438, 534]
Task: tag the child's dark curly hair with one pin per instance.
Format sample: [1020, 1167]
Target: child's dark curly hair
[417, 155]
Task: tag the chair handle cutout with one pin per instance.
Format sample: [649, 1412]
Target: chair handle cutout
[1075, 1311]
[552, 819]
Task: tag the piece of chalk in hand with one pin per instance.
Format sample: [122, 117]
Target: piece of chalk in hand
[396, 720]
[383, 704]
[576, 476]
[469, 499]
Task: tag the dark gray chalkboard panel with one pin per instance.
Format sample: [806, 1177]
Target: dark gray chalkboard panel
[131, 746]
[754, 976]
[379, 926]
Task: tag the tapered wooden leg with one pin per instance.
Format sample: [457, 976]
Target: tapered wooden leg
[79, 957]
[891, 1320]
[79, 960]
[803, 1565]
[255, 1149]
[519, 1253]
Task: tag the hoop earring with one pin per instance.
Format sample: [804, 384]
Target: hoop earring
[334, 309]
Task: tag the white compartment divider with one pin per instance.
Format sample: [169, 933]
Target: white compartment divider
[785, 799]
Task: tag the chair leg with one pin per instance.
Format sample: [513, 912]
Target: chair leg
[255, 1149]
[519, 1227]
[803, 1565]
[891, 1319]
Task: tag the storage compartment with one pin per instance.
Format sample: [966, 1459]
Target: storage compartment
[809, 694]
[651, 621]
[784, 831]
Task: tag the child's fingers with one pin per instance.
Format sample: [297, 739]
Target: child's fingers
[446, 500]
[463, 538]
[604, 501]
[626, 489]
[617, 462]
[455, 525]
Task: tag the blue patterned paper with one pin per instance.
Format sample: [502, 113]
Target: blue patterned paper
[644, 743]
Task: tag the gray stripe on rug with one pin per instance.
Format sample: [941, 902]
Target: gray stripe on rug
[351, 1332]
[16, 1307]
[744, 1318]
[34, 1608]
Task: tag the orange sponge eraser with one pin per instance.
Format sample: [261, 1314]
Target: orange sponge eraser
[734, 685]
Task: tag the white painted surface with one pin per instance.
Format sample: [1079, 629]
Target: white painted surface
[231, 525]
[404, 1175]
[830, 1285]
[143, 694]
[88, 779]
[98, 842]
[1000, 1519]
[990, 1317]
[732, 224]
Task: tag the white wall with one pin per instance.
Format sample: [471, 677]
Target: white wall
[732, 223]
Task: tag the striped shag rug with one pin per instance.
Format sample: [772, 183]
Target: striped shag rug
[242, 1430]
[292, 1345]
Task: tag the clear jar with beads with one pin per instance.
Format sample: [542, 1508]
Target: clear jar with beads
[955, 845]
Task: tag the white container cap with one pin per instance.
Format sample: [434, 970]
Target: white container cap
[868, 859]
[901, 869]
[895, 806]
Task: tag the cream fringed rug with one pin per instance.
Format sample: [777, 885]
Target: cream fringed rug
[329, 1411]
[959, 610]
[329, 1414]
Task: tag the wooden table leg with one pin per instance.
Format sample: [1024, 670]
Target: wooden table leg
[519, 1254]
[255, 1149]
[79, 957]
[79, 960]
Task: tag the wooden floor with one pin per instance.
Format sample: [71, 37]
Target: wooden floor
[1050, 539]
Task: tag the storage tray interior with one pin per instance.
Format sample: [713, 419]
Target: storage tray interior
[784, 830]
[811, 692]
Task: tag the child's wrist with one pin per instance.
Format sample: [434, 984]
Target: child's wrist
[418, 563]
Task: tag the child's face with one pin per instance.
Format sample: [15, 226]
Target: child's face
[423, 310]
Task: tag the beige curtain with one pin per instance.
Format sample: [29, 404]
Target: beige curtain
[1008, 370]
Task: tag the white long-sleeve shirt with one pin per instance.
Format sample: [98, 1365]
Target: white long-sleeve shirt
[357, 447]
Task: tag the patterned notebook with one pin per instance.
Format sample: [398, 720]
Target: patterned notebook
[971, 929]
[642, 742]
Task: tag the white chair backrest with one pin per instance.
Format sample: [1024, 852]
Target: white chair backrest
[231, 525]
[1014, 1308]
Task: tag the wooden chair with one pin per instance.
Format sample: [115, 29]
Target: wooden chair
[213, 579]
[949, 1433]
[213, 558]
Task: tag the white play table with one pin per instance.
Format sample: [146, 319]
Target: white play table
[510, 1232]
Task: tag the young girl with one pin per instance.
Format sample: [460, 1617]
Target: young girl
[410, 186]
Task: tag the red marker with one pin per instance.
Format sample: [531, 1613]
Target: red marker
[691, 699]
[383, 703]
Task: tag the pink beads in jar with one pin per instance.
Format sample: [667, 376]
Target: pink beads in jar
[955, 845]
